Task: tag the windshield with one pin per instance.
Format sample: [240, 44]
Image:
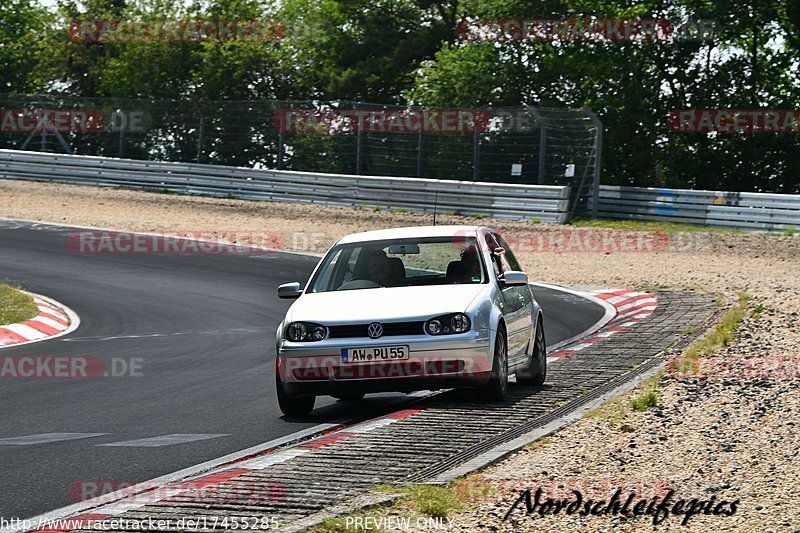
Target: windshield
[400, 263]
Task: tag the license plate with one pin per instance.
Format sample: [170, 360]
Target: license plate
[374, 354]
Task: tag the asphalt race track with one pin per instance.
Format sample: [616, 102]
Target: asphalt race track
[200, 329]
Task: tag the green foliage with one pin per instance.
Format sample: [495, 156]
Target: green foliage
[644, 225]
[428, 500]
[406, 51]
[645, 401]
[750, 63]
[24, 24]
[722, 335]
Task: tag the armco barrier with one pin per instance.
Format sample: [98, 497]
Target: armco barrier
[731, 210]
[547, 203]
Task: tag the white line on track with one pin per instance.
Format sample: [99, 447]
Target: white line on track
[186, 473]
[165, 440]
[44, 438]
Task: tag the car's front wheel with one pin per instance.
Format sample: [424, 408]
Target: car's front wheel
[292, 406]
[495, 388]
[535, 371]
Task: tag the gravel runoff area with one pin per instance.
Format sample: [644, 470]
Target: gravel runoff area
[733, 437]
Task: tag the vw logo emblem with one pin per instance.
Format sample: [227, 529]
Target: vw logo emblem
[374, 330]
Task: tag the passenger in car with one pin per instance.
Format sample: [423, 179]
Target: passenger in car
[379, 269]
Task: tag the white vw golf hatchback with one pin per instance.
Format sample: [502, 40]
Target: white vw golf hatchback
[420, 308]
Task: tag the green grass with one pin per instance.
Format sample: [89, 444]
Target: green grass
[539, 443]
[479, 216]
[612, 413]
[647, 287]
[15, 306]
[429, 500]
[789, 232]
[416, 501]
[645, 401]
[722, 335]
[615, 411]
[644, 225]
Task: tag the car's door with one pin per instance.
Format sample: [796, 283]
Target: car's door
[518, 302]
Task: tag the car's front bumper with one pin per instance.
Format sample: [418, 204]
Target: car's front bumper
[451, 361]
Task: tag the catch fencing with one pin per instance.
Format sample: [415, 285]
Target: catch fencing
[519, 145]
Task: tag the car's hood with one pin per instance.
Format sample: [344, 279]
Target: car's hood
[383, 304]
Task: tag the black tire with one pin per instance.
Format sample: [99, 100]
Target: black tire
[354, 397]
[535, 372]
[291, 406]
[495, 388]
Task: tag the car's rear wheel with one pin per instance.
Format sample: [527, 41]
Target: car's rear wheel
[495, 388]
[293, 406]
[535, 371]
[355, 397]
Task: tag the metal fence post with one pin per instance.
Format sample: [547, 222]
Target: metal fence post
[476, 159]
[419, 153]
[542, 142]
[598, 147]
[201, 137]
[359, 156]
[281, 148]
[122, 140]
[542, 152]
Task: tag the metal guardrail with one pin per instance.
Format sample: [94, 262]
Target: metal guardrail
[719, 209]
[547, 203]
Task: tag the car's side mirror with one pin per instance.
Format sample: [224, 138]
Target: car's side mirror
[514, 278]
[290, 290]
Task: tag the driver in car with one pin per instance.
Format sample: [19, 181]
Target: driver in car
[471, 265]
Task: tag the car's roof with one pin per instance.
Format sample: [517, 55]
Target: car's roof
[411, 233]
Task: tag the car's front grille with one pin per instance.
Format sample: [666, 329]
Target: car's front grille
[390, 329]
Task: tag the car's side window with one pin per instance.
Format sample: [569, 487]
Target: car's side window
[509, 262]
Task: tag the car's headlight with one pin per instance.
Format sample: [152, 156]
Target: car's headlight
[306, 331]
[448, 324]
